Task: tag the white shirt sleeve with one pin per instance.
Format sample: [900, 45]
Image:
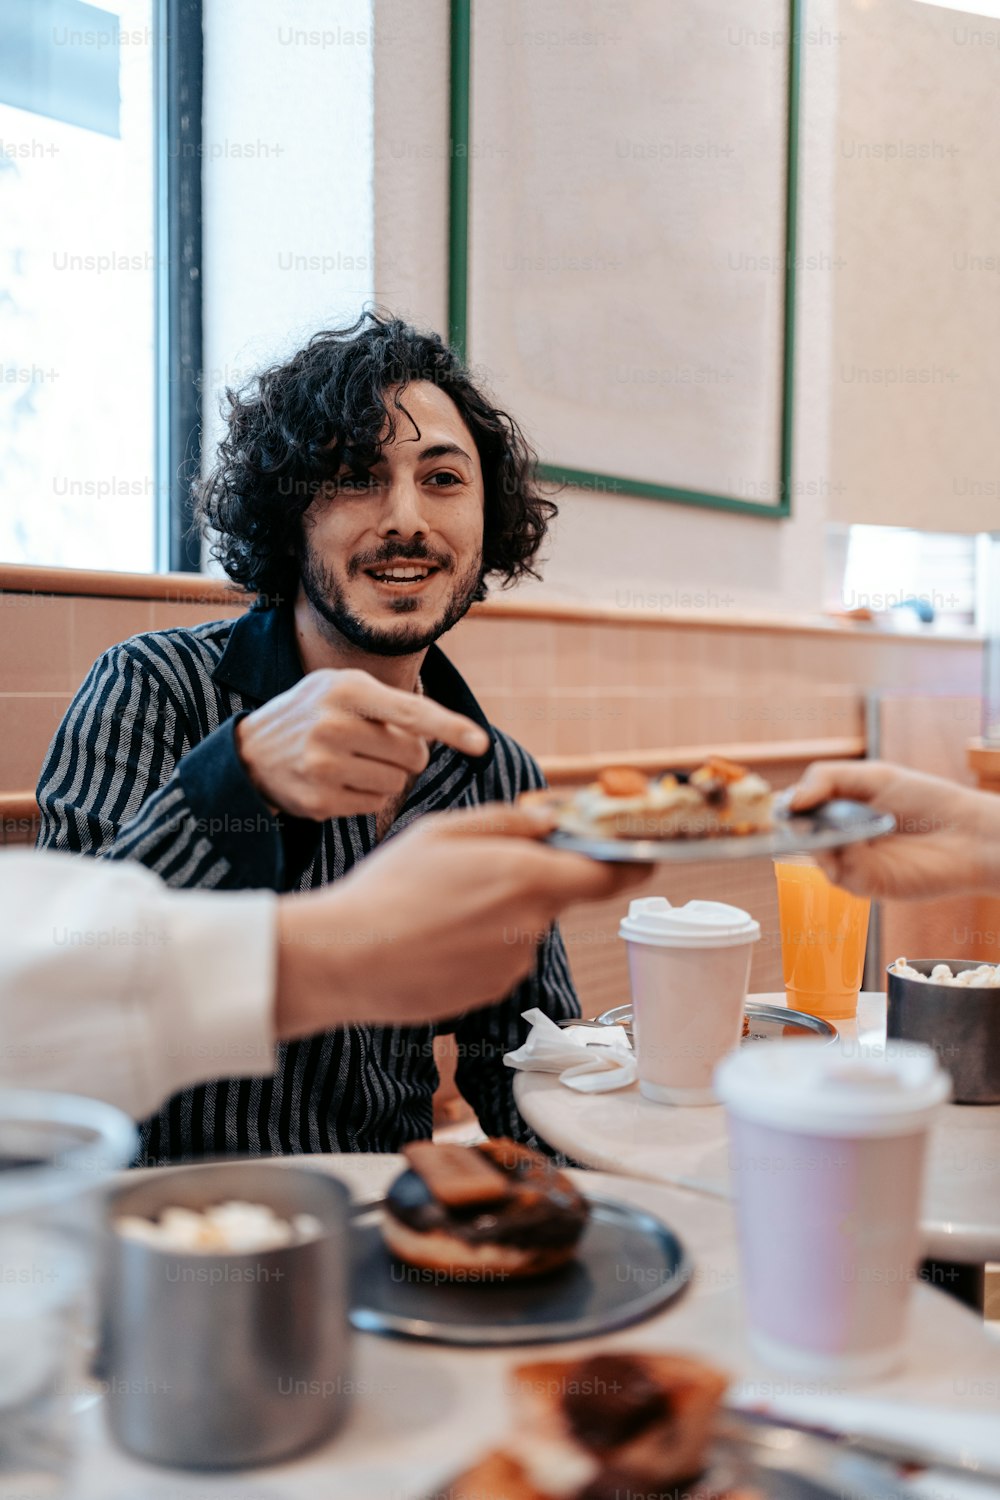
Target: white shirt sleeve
[113, 985]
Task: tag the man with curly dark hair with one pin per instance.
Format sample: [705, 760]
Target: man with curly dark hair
[366, 492]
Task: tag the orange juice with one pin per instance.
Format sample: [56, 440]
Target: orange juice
[823, 936]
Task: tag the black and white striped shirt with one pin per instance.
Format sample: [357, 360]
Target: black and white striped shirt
[144, 766]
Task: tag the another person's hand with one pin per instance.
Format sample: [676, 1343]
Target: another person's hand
[948, 838]
[442, 918]
[340, 743]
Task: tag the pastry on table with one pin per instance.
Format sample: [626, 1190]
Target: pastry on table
[605, 1427]
[483, 1212]
[719, 798]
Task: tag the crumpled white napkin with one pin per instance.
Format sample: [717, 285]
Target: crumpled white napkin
[590, 1059]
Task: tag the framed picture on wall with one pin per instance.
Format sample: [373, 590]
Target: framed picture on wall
[623, 187]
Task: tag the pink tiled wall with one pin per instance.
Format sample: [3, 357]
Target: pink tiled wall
[568, 687]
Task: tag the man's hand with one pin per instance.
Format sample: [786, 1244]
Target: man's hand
[444, 917]
[948, 838]
[341, 743]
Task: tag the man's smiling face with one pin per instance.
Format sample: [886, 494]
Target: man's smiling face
[393, 559]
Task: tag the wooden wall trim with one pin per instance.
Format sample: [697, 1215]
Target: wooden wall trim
[561, 610]
[174, 588]
[567, 768]
[199, 588]
[984, 762]
[16, 806]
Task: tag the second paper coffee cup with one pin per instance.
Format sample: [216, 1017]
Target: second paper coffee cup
[827, 1157]
[689, 968]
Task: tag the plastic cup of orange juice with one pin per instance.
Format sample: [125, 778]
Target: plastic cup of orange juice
[823, 935]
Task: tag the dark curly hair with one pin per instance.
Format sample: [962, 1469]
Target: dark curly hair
[296, 425]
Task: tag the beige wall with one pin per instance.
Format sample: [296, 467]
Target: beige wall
[916, 379]
[618, 550]
[627, 234]
[899, 148]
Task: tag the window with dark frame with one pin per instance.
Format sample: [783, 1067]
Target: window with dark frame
[100, 282]
[179, 296]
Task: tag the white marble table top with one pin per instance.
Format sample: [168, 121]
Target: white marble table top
[623, 1132]
[423, 1411]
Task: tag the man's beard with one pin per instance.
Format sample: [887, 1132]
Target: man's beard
[327, 599]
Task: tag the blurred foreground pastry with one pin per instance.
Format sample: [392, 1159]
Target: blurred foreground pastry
[482, 1212]
[719, 798]
[603, 1428]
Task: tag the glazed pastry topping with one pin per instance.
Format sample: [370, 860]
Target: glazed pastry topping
[509, 1196]
[458, 1177]
[719, 797]
[622, 781]
[612, 1400]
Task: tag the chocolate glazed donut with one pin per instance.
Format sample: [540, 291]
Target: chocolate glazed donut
[483, 1212]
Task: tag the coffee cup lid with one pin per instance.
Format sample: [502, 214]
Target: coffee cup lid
[804, 1086]
[699, 924]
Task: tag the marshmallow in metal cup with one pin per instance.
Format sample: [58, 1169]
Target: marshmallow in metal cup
[689, 968]
[827, 1158]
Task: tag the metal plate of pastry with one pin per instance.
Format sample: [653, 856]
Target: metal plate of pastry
[781, 1463]
[820, 1477]
[765, 1022]
[586, 1297]
[833, 825]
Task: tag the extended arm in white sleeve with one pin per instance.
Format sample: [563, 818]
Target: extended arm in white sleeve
[113, 985]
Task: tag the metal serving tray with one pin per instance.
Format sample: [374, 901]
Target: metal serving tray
[766, 1022]
[830, 826]
[627, 1266]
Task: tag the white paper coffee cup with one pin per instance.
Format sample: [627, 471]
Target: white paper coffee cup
[689, 968]
[827, 1157]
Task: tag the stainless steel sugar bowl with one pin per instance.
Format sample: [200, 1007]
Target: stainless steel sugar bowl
[226, 1360]
[962, 1024]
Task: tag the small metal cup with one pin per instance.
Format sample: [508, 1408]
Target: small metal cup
[224, 1361]
[962, 1025]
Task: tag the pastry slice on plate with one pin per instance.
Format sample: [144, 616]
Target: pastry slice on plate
[605, 1427]
[718, 798]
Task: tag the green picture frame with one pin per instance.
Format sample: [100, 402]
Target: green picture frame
[458, 275]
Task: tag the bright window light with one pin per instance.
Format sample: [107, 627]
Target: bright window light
[77, 485]
[929, 576]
